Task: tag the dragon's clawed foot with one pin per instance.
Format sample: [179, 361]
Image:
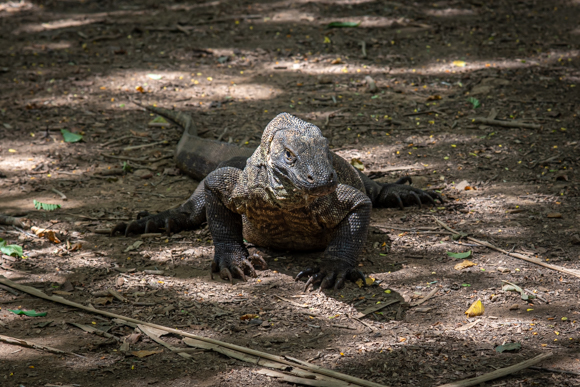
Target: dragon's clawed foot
[330, 278]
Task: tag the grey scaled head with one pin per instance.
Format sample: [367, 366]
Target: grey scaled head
[299, 157]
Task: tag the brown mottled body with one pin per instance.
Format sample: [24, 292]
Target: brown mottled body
[291, 193]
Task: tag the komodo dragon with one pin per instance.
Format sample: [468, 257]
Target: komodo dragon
[291, 193]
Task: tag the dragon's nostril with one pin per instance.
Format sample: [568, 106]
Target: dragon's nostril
[310, 179]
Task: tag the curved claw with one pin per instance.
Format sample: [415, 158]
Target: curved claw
[258, 260]
[417, 199]
[308, 284]
[306, 272]
[404, 179]
[429, 198]
[142, 214]
[356, 275]
[120, 227]
[214, 269]
[238, 273]
[328, 281]
[135, 227]
[247, 268]
[225, 274]
[340, 281]
[150, 227]
[399, 200]
[437, 196]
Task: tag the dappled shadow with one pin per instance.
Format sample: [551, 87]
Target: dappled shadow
[235, 66]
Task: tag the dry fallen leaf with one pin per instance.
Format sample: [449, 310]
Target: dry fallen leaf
[45, 233]
[369, 281]
[103, 300]
[357, 164]
[144, 353]
[76, 246]
[464, 264]
[476, 309]
[554, 215]
[248, 316]
[139, 134]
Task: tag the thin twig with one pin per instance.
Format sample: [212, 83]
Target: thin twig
[575, 273]
[30, 344]
[116, 140]
[262, 355]
[507, 124]
[145, 145]
[499, 373]
[427, 297]
[63, 196]
[555, 370]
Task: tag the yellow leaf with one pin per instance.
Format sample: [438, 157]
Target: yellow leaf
[357, 164]
[476, 309]
[326, 40]
[459, 63]
[464, 264]
[12, 150]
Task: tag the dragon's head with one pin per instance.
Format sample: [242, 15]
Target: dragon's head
[298, 160]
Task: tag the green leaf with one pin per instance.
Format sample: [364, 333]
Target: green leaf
[466, 285]
[127, 167]
[463, 255]
[475, 102]
[515, 288]
[10, 249]
[159, 120]
[343, 25]
[45, 206]
[70, 137]
[508, 347]
[29, 313]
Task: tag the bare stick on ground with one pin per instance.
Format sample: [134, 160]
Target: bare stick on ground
[12, 221]
[507, 124]
[63, 196]
[499, 373]
[30, 344]
[262, 355]
[536, 261]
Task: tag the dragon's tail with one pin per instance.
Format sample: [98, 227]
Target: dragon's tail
[180, 118]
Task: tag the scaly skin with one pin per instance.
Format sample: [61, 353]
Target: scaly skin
[292, 193]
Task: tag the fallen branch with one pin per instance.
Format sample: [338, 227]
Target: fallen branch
[376, 308]
[62, 196]
[146, 145]
[555, 370]
[499, 373]
[155, 337]
[30, 344]
[291, 362]
[507, 124]
[12, 221]
[427, 297]
[302, 381]
[575, 273]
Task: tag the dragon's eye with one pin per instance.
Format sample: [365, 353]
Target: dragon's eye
[288, 155]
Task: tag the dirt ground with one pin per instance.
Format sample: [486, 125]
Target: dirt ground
[233, 65]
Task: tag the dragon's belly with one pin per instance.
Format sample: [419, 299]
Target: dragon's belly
[276, 228]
